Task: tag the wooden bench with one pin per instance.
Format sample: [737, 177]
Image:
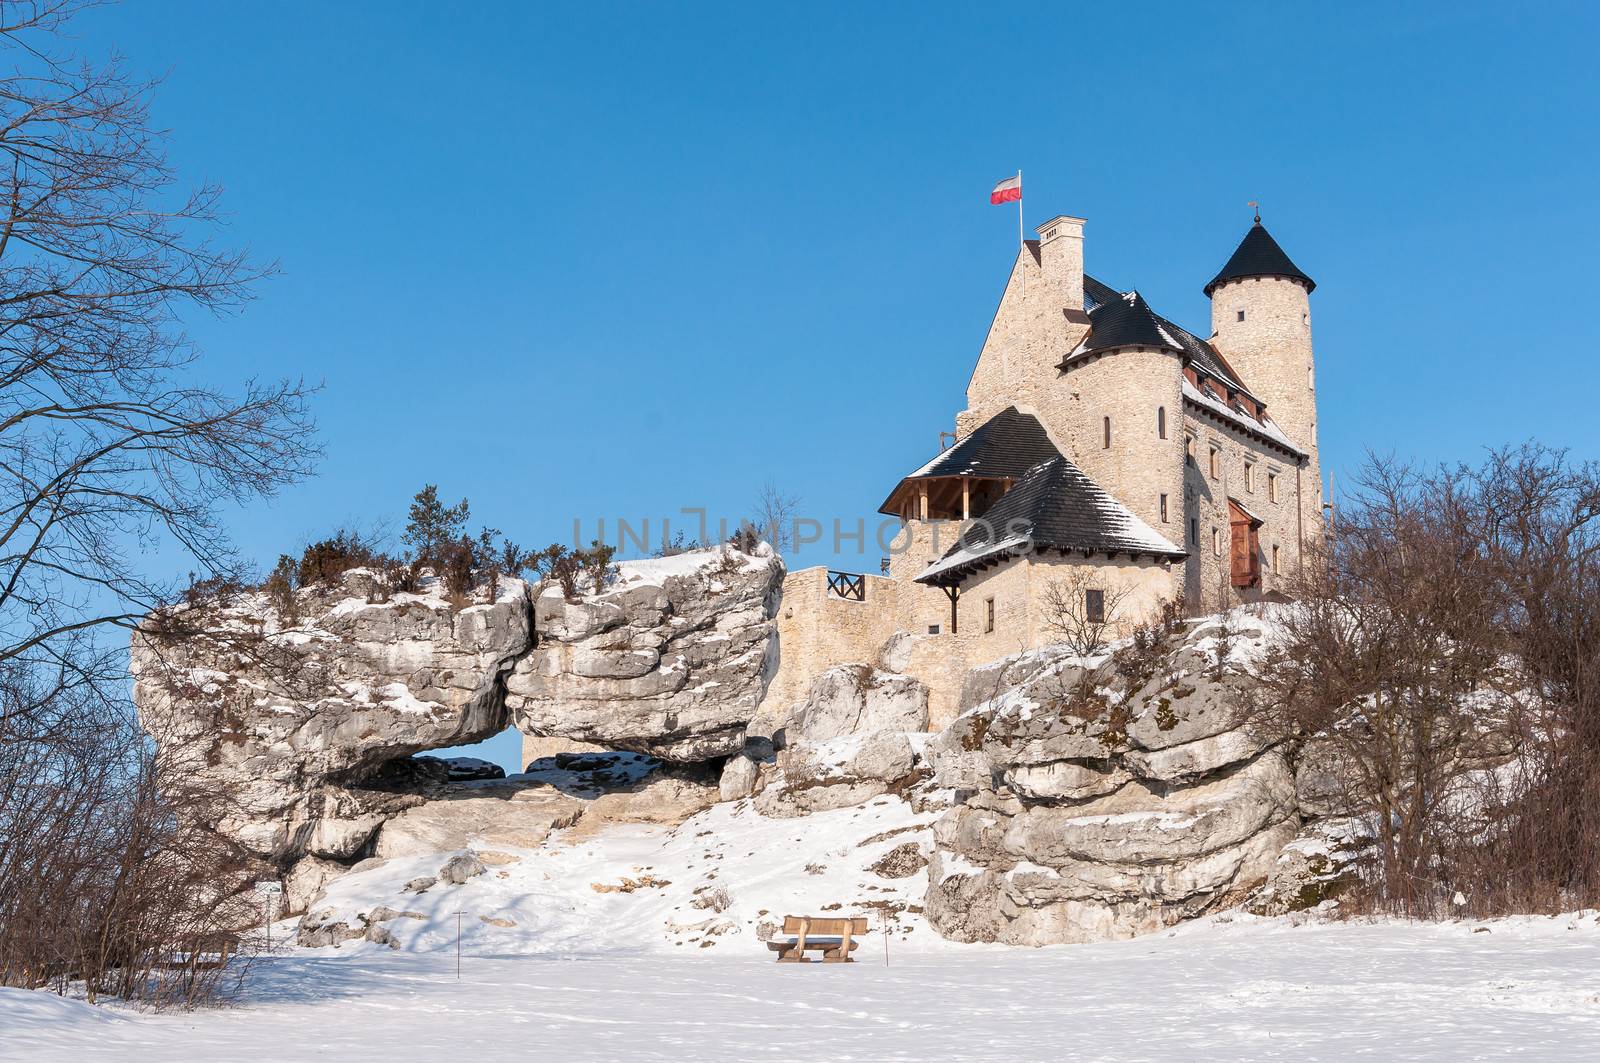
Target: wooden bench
[831, 937]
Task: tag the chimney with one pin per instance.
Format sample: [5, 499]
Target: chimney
[1061, 261]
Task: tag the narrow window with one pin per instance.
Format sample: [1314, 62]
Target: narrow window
[1241, 315]
[1215, 456]
[1272, 486]
[1194, 531]
[988, 614]
[1216, 542]
[1163, 509]
[1161, 422]
[1108, 434]
[1094, 606]
[1249, 477]
[1274, 561]
[1188, 450]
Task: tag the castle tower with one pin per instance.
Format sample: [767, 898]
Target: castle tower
[1261, 322]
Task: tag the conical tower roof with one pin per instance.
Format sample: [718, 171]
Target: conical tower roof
[1259, 255]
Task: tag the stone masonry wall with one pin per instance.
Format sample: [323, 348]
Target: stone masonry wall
[1272, 350]
[817, 630]
[1139, 466]
[1207, 570]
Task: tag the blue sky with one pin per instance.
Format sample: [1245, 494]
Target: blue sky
[610, 260]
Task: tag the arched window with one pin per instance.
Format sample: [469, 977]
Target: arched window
[1161, 422]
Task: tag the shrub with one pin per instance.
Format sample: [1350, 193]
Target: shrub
[325, 561]
[596, 562]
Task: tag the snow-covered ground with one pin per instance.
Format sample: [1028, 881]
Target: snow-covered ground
[617, 944]
[1251, 990]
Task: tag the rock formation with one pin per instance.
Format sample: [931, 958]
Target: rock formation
[305, 725]
[671, 660]
[296, 719]
[1108, 797]
[858, 734]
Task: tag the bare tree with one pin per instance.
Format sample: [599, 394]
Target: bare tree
[1083, 609]
[110, 450]
[773, 518]
[1439, 667]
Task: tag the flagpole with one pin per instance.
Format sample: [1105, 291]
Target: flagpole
[1020, 242]
[1022, 245]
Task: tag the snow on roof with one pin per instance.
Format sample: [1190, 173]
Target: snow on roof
[1264, 427]
[964, 554]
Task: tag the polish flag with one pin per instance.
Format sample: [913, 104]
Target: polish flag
[1007, 191]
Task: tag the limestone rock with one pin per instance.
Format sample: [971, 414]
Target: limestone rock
[1314, 869]
[460, 868]
[857, 735]
[292, 717]
[895, 655]
[382, 935]
[903, 861]
[1108, 797]
[302, 886]
[740, 776]
[494, 813]
[854, 699]
[318, 930]
[670, 659]
[1066, 780]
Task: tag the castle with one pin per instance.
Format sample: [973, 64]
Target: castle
[1108, 461]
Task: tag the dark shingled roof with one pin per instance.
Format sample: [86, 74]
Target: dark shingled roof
[1055, 506]
[1108, 323]
[1126, 321]
[1259, 255]
[1005, 446]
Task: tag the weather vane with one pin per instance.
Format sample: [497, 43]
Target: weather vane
[1257, 205]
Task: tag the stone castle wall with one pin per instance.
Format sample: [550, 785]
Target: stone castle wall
[1271, 350]
[1131, 388]
[1206, 586]
[817, 629]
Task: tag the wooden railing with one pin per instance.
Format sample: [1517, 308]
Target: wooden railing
[849, 585]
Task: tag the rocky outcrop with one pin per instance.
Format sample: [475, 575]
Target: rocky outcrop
[857, 735]
[1111, 797]
[295, 719]
[670, 660]
[303, 717]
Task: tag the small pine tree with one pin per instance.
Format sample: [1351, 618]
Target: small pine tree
[432, 524]
[280, 587]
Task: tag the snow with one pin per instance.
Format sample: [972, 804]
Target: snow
[398, 696]
[972, 553]
[1244, 990]
[655, 570]
[1266, 427]
[769, 867]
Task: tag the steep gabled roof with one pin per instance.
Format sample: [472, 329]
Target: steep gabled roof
[1055, 506]
[1258, 255]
